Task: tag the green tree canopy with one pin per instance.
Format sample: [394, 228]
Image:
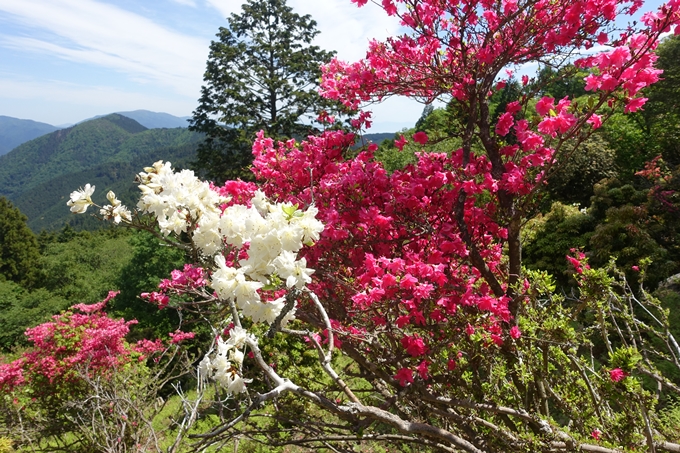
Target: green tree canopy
[662, 110]
[19, 252]
[262, 74]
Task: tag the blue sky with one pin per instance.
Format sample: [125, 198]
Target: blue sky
[63, 61]
[67, 60]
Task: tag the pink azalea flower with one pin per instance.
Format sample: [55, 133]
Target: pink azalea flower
[420, 137]
[617, 374]
[595, 121]
[515, 332]
[399, 143]
[544, 106]
[404, 376]
[504, 124]
[634, 105]
[414, 345]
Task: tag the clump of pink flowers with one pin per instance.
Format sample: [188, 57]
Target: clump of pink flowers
[81, 340]
[617, 374]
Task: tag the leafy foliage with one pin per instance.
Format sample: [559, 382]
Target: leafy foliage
[574, 178]
[548, 238]
[74, 267]
[45, 204]
[148, 263]
[18, 246]
[81, 385]
[663, 109]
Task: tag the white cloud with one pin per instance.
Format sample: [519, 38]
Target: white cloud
[226, 7]
[185, 2]
[77, 102]
[92, 32]
[345, 27]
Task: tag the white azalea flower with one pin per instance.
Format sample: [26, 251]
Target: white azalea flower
[223, 347]
[81, 199]
[207, 236]
[310, 225]
[296, 273]
[237, 384]
[112, 199]
[245, 291]
[237, 336]
[116, 212]
[237, 357]
[177, 223]
[260, 202]
[205, 368]
[291, 237]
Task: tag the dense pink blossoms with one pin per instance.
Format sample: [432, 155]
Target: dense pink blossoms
[417, 255]
[73, 343]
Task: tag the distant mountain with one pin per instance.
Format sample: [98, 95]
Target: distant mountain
[14, 132]
[157, 120]
[153, 120]
[44, 171]
[379, 137]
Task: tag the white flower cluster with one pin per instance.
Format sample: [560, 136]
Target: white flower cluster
[178, 201]
[81, 199]
[115, 211]
[226, 364]
[274, 233]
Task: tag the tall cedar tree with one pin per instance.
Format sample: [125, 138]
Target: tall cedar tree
[262, 74]
[19, 252]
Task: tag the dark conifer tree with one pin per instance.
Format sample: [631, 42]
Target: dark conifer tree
[19, 252]
[262, 74]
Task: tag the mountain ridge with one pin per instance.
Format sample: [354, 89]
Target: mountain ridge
[113, 138]
[150, 119]
[15, 131]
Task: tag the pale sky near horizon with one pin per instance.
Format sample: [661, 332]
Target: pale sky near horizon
[62, 61]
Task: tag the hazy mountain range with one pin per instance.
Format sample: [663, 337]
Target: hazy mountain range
[15, 131]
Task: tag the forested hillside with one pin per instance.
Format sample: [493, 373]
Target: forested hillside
[39, 175]
[114, 138]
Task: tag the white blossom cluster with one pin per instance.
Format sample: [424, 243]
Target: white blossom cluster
[115, 211]
[274, 233]
[81, 199]
[226, 363]
[179, 201]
